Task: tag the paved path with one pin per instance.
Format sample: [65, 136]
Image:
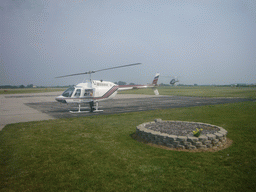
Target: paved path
[14, 110]
[42, 106]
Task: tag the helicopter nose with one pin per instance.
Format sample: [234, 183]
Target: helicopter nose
[61, 99]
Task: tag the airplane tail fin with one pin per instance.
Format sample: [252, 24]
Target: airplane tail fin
[154, 83]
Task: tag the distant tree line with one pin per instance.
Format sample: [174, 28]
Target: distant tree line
[30, 86]
[15, 87]
[232, 85]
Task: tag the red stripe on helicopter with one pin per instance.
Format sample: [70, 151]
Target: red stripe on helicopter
[108, 93]
[133, 86]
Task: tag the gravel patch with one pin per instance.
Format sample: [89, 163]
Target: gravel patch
[181, 128]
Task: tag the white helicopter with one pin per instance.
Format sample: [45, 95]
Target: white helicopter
[93, 91]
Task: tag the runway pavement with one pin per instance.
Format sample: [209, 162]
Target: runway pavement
[17, 108]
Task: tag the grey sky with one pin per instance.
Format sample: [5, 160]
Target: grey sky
[201, 41]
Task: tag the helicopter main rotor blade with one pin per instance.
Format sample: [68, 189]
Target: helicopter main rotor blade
[76, 74]
[90, 72]
[118, 67]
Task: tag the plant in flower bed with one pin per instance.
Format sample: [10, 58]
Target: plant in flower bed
[197, 133]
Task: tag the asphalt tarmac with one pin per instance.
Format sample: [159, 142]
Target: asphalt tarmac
[42, 106]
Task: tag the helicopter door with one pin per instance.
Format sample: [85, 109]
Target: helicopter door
[78, 93]
[88, 92]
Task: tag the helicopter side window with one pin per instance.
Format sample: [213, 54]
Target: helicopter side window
[78, 93]
[88, 92]
[68, 92]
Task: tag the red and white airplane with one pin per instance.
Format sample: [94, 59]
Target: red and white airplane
[93, 91]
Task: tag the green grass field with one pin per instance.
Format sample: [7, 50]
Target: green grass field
[97, 153]
[200, 91]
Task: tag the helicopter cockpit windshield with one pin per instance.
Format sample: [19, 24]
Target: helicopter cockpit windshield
[68, 92]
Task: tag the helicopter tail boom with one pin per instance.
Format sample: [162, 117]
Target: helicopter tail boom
[153, 85]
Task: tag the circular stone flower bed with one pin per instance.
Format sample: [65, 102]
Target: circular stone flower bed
[179, 134]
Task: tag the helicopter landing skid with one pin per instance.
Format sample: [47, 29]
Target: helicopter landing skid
[79, 110]
[93, 110]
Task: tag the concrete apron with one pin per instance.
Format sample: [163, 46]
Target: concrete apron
[14, 110]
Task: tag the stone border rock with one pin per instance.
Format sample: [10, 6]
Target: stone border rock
[207, 141]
